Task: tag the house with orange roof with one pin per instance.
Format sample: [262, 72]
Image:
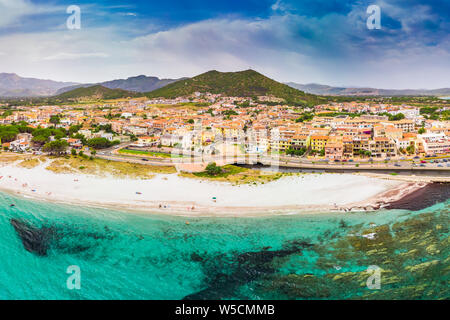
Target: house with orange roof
[299, 141]
[147, 141]
[318, 142]
[382, 147]
[334, 150]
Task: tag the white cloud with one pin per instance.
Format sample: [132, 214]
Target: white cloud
[334, 49]
[76, 56]
[11, 11]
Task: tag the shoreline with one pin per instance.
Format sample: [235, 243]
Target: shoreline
[179, 209]
[317, 193]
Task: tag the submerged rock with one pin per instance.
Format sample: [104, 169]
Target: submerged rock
[34, 240]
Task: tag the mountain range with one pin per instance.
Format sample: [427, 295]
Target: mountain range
[247, 83]
[242, 83]
[11, 85]
[136, 84]
[325, 90]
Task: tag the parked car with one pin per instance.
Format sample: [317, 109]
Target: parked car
[144, 159]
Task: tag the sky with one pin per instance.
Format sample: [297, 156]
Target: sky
[302, 41]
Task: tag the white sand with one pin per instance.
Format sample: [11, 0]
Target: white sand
[178, 193]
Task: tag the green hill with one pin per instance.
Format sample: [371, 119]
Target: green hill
[247, 83]
[96, 92]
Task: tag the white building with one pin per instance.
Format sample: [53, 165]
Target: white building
[435, 143]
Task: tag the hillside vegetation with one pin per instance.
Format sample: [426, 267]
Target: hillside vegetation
[97, 92]
[247, 83]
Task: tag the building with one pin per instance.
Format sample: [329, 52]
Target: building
[405, 125]
[299, 141]
[334, 150]
[382, 147]
[434, 144]
[318, 142]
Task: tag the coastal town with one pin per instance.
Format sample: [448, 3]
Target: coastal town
[221, 126]
[224, 158]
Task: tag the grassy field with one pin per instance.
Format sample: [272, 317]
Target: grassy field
[149, 153]
[104, 168]
[30, 163]
[237, 175]
[9, 157]
[118, 169]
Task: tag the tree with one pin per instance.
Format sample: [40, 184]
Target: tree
[99, 143]
[56, 147]
[8, 133]
[55, 120]
[7, 113]
[41, 135]
[305, 117]
[397, 117]
[74, 129]
[40, 140]
[81, 137]
[411, 149]
[296, 152]
[212, 169]
[422, 130]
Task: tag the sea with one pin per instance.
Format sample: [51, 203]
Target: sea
[57, 251]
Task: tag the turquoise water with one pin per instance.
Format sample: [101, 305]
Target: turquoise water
[133, 256]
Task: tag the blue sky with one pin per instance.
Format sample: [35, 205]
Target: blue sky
[304, 41]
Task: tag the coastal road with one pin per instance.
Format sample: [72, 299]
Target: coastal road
[288, 162]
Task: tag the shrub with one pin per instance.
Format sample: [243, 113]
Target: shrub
[212, 169]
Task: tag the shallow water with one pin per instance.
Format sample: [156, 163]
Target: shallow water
[132, 256]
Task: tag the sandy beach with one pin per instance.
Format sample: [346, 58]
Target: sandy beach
[172, 194]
